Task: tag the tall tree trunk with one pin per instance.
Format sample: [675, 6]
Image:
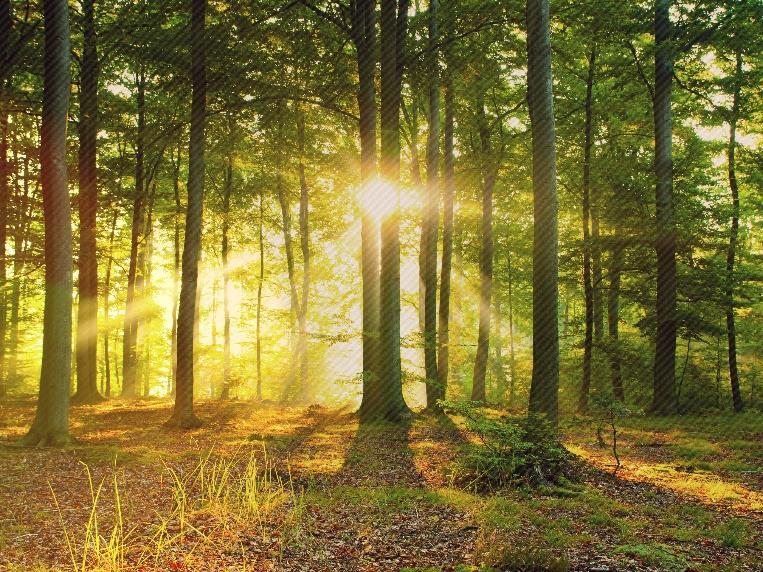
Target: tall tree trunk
[183, 415]
[51, 423]
[489, 171]
[512, 356]
[106, 305]
[500, 372]
[6, 27]
[394, 22]
[131, 320]
[227, 189]
[613, 317]
[588, 286]
[736, 394]
[364, 38]
[544, 387]
[260, 280]
[304, 230]
[449, 192]
[664, 395]
[175, 273]
[143, 291]
[87, 314]
[431, 215]
[20, 247]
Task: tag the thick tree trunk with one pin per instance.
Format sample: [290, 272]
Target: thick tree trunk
[613, 317]
[131, 320]
[736, 394]
[87, 315]
[489, 172]
[449, 192]
[431, 215]
[544, 388]
[364, 38]
[394, 22]
[51, 423]
[183, 415]
[664, 395]
[588, 286]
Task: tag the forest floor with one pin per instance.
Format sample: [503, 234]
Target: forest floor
[266, 487]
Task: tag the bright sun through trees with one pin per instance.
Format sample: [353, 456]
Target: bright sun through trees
[381, 285]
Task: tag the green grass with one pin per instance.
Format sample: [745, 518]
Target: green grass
[655, 555]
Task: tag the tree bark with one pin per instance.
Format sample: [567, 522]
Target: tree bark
[51, 422]
[613, 317]
[364, 38]
[131, 320]
[430, 222]
[664, 394]
[489, 171]
[394, 22]
[512, 357]
[588, 286]
[87, 314]
[736, 394]
[304, 236]
[544, 387]
[227, 189]
[106, 305]
[176, 273]
[183, 415]
[260, 280]
[449, 192]
[6, 27]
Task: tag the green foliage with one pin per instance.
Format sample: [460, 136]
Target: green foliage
[655, 555]
[510, 451]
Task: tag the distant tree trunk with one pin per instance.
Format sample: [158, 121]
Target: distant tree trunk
[613, 317]
[260, 280]
[449, 191]
[489, 171]
[227, 189]
[304, 230]
[588, 286]
[183, 415]
[431, 215]
[394, 23]
[736, 394]
[664, 396]
[176, 273]
[131, 321]
[143, 291]
[364, 38]
[51, 423]
[512, 357]
[500, 372]
[20, 246]
[106, 305]
[545, 378]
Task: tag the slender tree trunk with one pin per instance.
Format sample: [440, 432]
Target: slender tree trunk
[183, 415]
[227, 189]
[87, 315]
[489, 171]
[20, 247]
[51, 423]
[736, 393]
[304, 230]
[4, 196]
[260, 280]
[500, 372]
[664, 396]
[512, 357]
[175, 274]
[449, 192]
[364, 38]
[143, 289]
[394, 22]
[431, 214]
[545, 378]
[131, 320]
[106, 305]
[588, 286]
[613, 317]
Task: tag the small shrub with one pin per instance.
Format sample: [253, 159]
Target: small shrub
[511, 451]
